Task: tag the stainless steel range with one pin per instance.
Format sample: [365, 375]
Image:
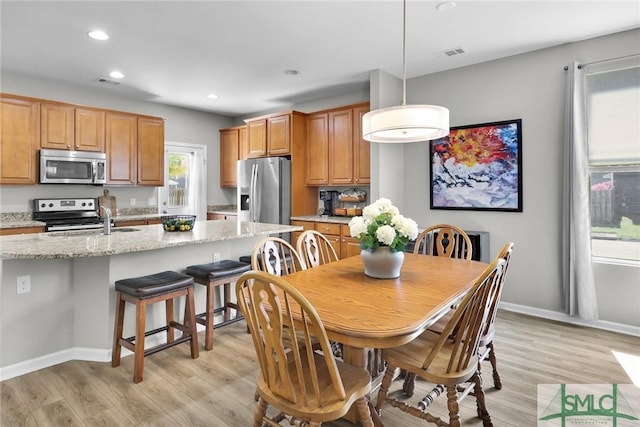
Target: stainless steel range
[67, 214]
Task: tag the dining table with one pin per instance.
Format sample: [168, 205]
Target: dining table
[364, 313]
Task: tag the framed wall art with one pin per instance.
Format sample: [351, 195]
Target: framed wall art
[478, 167]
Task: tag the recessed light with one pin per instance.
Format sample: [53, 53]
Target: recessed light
[116, 74]
[446, 5]
[212, 96]
[98, 35]
[292, 72]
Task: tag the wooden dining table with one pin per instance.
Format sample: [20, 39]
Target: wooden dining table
[362, 313]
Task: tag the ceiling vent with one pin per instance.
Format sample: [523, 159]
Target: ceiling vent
[107, 81]
[453, 52]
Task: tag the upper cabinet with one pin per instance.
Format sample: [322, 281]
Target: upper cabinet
[66, 127]
[19, 140]
[336, 152]
[135, 149]
[270, 135]
[232, 141]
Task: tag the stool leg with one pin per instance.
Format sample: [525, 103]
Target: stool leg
[117, 331]
[190, 321]
[170, 317]
[138, 364]
[211, 302]
[227, 300]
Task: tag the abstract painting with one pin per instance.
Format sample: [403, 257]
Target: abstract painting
[478, 167]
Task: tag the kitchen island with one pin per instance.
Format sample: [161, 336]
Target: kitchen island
[68, 313]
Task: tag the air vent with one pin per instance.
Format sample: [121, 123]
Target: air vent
[455, 51]
[107, 81]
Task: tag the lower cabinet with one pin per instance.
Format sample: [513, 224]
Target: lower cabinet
[220, 216]
[21, 230]
[338, 234]
[134, 222]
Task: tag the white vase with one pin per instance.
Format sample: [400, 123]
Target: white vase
[382, 263]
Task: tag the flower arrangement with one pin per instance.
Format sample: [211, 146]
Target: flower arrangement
[382, 225]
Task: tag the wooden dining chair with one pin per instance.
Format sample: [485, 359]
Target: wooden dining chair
[444, 240]
[315, 249]
[304, 385]
[276, 256]
[448, 359]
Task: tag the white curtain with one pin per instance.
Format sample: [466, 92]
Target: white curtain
[579, 284]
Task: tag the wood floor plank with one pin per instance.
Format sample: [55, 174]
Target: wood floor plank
[217, 388]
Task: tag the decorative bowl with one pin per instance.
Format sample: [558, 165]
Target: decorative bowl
[178, 222]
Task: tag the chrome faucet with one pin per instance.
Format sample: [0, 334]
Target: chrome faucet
[107, 220]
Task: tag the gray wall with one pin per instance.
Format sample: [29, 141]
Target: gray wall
[181, 125]
[530, 87]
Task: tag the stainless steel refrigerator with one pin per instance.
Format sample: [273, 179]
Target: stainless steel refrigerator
[264, 190]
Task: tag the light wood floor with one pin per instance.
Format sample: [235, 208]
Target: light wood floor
[217, 389]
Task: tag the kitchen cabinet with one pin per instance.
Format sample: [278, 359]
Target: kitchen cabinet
[21, 230]
[134, 222]
[150, 151]
[229, 155]
[270, 135]
[135, 149]
[220, 216]
[332, 233]
[336, 152]
[338, 234]
[19, 140]
[349, 246]
[66, 127]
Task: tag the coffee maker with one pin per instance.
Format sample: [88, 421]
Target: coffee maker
[330, 201]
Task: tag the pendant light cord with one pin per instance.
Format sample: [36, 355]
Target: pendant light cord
[404, 53]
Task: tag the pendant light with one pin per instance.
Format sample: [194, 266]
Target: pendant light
[405, 123]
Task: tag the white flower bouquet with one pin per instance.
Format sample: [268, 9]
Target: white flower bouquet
[382, 225]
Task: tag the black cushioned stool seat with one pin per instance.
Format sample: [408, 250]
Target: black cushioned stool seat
[220, 273]
[143, 291]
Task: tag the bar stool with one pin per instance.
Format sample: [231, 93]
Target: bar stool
[219, 273]
[143, 291]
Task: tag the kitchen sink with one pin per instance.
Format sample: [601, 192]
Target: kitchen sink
[95, 232]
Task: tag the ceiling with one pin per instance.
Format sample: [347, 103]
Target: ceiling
[178, 52]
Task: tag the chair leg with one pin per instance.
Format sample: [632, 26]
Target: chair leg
[138, 364]
[261, 411]
[452, 405]
[226, 301]
[409, 384]
[190, 322]
[117, 331]
[384, 387]
[363, 413]
[170, 317]
[497, 383]
[480, 402]
[208, 332]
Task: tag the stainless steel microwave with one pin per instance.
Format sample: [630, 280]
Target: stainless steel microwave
[72, 167]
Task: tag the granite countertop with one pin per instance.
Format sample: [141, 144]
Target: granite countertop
[91, 243]
[323, 218]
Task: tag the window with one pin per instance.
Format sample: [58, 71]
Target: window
[613, 128]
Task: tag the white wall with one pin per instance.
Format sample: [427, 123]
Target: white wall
[530, 87]
[181, 125]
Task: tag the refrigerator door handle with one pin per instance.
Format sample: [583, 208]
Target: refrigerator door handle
[253, 192]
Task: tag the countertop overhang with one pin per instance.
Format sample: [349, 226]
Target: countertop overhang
[84, 243]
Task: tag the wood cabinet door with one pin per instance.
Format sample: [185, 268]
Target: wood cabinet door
[57, 126]
[317, 149]
[341, 147]
[120, 143]
[229, 143]
[19, 140]
[150, 151]
[361, 149]
[243, 147]
[348, 245]
[257, 137]
[279, 135]
[89, 129]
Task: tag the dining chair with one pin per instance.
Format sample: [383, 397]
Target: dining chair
[448, 359]
[305, 386]
[276, 256]
[444, 240]
[315, 249]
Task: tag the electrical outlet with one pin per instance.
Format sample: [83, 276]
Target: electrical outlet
[24, 284]
[132, 201]
[216, 257]
[151, 201]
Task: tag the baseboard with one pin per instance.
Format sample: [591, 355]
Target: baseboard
[563, 317]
